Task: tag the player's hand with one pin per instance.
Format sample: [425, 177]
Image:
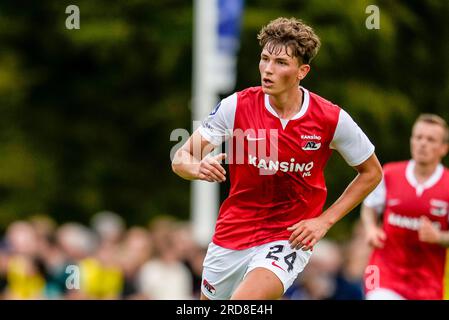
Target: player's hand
[427, 232]
[307, 233]
[376, 237]
[211, 170]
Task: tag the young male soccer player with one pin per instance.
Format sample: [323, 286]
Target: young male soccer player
[410, 253]
[282, 137]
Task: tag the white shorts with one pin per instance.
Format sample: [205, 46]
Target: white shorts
[383, 294]
[224, 269]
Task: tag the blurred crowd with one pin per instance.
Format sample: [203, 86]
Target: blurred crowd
[107, 260]
[335, 270]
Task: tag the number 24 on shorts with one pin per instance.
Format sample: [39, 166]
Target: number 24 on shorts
[289, 259]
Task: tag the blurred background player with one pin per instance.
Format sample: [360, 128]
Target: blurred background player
[275, 204]
[410, 247]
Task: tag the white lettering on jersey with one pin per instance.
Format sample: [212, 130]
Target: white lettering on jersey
[284, 166]
[312, 137]
[407, 222]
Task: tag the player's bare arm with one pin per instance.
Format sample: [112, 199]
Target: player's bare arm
[306, 233]
[374, 234]
[429, 233]
[192, 162]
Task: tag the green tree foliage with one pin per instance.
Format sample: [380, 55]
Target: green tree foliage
[86, 114]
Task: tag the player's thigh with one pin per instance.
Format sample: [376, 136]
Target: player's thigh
[223, 270]
[280, 265]
[259, 284]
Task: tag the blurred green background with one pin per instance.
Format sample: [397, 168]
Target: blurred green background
[86, 115]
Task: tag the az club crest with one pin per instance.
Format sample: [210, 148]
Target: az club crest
[311, 145]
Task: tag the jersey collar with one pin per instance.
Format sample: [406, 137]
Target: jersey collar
[304, 106]
[433, 179]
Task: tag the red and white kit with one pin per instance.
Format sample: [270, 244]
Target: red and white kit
[407, 266]
[276, 173]
[275, 185]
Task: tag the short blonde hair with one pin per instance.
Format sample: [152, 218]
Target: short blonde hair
[290, 33]
[434, 119]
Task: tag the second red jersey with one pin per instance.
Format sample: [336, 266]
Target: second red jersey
[406, 265]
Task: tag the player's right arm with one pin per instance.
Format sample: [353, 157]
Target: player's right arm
[192, 162]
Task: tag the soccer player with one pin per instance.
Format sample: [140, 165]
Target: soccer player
[409, 256]
[281, 136]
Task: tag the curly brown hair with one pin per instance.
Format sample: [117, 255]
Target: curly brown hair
[290, 33]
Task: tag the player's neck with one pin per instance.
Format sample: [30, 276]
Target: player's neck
[423, 172]
[287, 104]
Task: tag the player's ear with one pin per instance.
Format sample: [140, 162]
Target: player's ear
[303, 71]
[445, 150]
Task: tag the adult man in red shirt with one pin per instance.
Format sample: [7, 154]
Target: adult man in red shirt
[410, 256]
[281, 136]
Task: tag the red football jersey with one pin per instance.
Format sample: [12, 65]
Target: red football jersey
[276, 166]
[406, 265]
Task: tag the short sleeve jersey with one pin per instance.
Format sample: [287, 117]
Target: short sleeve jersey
[414, 269]
[275, 165]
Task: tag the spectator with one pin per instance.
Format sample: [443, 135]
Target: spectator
[165, 277]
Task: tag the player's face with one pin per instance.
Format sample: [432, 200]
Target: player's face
[280, 71]
[427, 143]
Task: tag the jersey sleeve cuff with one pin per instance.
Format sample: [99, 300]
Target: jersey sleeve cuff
[209, 137]
[362, 159]
[378, 207]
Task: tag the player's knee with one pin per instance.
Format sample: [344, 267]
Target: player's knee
[203, 297]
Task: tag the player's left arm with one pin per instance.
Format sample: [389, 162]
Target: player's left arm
[429, 233]
[307, 233]
[358, 151]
